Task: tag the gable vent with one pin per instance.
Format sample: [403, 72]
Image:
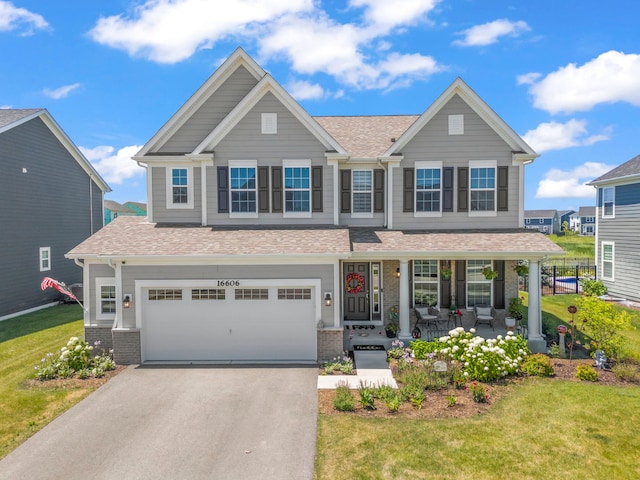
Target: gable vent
[269, 123]
[456, 124]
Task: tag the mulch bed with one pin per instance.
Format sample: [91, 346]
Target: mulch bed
[436, 404]
[75, 382]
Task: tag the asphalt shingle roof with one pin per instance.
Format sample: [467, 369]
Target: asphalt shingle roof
[627, 169]
[11, 115]
[587, 211]
[539, 213]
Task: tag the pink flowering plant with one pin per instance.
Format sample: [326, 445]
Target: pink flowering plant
[481, 359]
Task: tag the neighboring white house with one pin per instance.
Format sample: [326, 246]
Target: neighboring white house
[269, 231]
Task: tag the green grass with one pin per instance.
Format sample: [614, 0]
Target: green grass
[541, 429]
[23, 342]
[575, 246]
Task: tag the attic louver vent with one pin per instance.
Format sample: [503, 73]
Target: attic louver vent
[269, 123]
[456, 124]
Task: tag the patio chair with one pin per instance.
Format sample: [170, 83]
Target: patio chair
[484, 314]
[428, 316]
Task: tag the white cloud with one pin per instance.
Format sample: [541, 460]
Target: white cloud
[556, 136]
[117, 168]
[12, 18]
[573, 183]
[528, 78]
[5, 107]
[302, 90]
[356, 54]
[60, 92]
[609, 78]
[488, 33]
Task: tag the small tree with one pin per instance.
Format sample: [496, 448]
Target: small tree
[602, 323]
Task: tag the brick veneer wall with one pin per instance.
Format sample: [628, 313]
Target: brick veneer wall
[100, 334]
[330, 343]
[126, 347]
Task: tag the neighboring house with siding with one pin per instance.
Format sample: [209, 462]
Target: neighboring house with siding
[545, 221]
[113, 210]
[138, 207]
[618, 225]
[50, 200]
[565, 216]
[587, 220]
[270, 232]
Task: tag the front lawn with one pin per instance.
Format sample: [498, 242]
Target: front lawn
[24, 341]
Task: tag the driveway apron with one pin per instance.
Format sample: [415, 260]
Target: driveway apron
[181, 423]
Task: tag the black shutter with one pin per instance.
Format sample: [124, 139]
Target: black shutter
[407, 190]
[276, 189]
[345, 191]
[503, 189]
[316, 189]
[461, 284]
[223, 190]
[463, 189]
[445, 287]
[498, 285]
[378, 190]
[447, 189]
[263, 189]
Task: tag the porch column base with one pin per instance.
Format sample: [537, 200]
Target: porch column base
[405, 340]
[537, 345]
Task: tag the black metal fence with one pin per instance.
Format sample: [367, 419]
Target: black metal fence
[561, 279]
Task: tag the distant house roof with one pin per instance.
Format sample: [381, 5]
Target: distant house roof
[115, 206]
[630, 168]
[540, 213]
[140, 205]
[12, 118]
[587, 211]
[565, 212]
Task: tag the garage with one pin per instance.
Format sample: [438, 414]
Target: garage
[230, 320]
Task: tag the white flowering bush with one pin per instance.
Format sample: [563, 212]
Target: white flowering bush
[74, 358]
[481, 359]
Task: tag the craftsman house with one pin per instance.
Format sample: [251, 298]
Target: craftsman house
[269, 231]
[50, 200]
[618, 224]
[545, 221]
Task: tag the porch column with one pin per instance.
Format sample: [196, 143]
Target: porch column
[405, 326]
[537, 343]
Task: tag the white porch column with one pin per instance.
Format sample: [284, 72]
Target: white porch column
[537, 343]
[405, 326]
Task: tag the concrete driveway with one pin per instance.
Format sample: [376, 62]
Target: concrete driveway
[181, 423]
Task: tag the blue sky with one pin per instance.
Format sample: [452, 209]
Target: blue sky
[563, 74]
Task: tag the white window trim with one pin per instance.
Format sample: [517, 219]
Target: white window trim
[613, 258]
[456, 124]
[42, 250]
[104, 282]
[483, 280]
[295, 164]
[420, 165]
[484, 164]
[431, 281]
[269, 123]
[613, 203]
[353, 192]
[242, 164]
[169, 187]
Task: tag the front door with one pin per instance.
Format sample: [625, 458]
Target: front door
[356, 291]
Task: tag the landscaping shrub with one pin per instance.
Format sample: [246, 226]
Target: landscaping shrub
[344, 401]
[342, 364]
[538, 365]
[586, 373]
[393, 402]
[479, 392]
[384, 392]
[421, 348]
[367, 396]
[592, 287]
[627, 372]
[602, 322]
[414, 394]
[74, 358]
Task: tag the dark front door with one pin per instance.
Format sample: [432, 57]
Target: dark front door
[356, 291]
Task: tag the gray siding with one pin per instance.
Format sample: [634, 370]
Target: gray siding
[161, 213]
[211, 113]
[433, 143]
[49, 206]
[293, 142]
[623, 231]
[96, 271]
[224, 272]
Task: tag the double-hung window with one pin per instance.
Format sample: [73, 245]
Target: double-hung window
[243, 188]
[45, 259]
[608, 202]
[425, 282]
[607, 260]
[297, 188]
[179, 187]
[482, 183]
[428, 189]
[105, 298]
[478, 287]
[362, 193]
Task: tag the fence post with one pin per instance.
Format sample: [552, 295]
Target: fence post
[577, 277]
[555, 272]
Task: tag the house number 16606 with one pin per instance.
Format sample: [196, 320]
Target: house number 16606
[228, 283]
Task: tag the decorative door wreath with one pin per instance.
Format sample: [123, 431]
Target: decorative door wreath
[354, 283]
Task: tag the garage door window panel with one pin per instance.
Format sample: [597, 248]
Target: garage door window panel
[165, 294]
[252, 294]
[294, 294]
[208, 294]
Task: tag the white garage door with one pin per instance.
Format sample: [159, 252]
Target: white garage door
[219, 324]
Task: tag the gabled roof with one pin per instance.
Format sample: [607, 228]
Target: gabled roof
[587, 211]
[10, 118]
[460, 88]
[115, 206]
[629, 170]
[264, 86]
[540, 213]
[565, 212]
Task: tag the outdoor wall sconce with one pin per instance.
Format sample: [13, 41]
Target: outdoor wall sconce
[397, 272]
[126, 302]
[327, 299]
